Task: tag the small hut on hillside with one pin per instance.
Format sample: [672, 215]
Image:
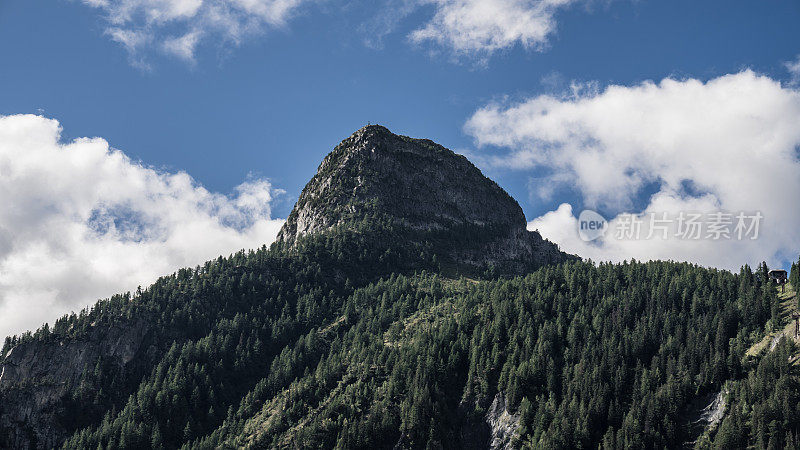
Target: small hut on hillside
[778, 276]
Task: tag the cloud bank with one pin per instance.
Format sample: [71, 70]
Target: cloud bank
[81, 221]
[728, 144]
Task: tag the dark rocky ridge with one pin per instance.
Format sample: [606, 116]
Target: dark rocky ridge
[421, 186]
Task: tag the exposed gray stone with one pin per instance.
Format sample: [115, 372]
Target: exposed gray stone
[502, 423]
[423, 186]
[36, 376]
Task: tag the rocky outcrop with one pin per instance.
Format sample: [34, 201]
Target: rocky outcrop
[703, 415]
[502, 423]
[36, 377]
[422, 186]
[714, 412]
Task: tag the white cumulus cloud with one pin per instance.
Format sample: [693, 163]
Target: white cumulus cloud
[80, 221]
[727, 144]
[467, 28]
[176, 27]
[482, 27]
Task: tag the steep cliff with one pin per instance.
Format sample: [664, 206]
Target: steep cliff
[36, 377]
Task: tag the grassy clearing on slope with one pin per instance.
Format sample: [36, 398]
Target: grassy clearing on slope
[788, 306]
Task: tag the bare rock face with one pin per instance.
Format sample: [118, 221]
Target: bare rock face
[36, 377]
[379, 177]
[502, 423]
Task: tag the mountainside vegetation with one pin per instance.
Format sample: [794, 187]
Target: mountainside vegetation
[369, 333]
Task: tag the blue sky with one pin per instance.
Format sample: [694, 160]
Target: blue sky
[267, 104]
[276, 104]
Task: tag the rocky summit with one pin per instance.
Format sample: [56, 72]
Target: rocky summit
[425, 190]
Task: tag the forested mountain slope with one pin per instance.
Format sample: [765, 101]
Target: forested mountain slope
[374, 324]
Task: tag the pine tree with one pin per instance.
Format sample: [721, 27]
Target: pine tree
[156, 441]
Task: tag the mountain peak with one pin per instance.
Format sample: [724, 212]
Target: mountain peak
[372, 130]
[418, 186]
